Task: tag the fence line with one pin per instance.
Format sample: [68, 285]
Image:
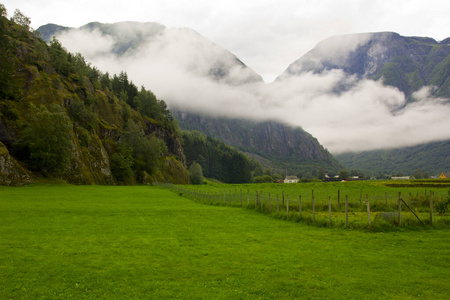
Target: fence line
[263, 203]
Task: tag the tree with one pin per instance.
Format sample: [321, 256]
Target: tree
[3, 11]
[121, 165]
[196, 174]
[60, 58]
[320, 173]
[146, 150]
[46, 141]
[343, 174]
[20, 19]
[147, 104]
[419, 174]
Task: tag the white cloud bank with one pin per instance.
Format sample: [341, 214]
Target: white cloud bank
[175, 64]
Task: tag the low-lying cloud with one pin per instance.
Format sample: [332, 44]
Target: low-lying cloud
[176, 65]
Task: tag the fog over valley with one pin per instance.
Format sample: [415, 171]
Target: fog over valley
[345, 113]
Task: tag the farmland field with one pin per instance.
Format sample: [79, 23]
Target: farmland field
[338, 204]
[63, 241]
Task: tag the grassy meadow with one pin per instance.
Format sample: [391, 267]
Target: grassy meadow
[383, 198]
[146, 242]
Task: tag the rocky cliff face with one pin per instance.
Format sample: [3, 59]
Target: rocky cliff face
[11, 172]
[283, 146]
[407, 63]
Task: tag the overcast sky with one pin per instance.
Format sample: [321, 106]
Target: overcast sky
[267, 35]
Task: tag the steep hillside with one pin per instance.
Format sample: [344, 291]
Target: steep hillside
[433, 158]
[408, 63]
[284, 147]
[62, 118]
[276, 145]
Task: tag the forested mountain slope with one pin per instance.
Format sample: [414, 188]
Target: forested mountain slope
[277, 144]
[283, 147]
[432, 158]
[406, 63]
[62, 118]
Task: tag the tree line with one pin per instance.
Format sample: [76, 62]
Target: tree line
[216, 159]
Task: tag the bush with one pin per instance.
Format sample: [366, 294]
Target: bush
[121, 166]
[46, 141]
[196, 174]
[442, 206]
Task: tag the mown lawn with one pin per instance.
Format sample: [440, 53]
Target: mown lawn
[62, 241]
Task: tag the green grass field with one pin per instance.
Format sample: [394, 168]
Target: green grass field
[383, 198]
[63, 242]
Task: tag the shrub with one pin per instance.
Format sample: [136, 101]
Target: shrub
[442, 206]
[46, 141]
[121, 166]
[196, 174]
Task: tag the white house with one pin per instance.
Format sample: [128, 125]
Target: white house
[401, 178]
[291, 179]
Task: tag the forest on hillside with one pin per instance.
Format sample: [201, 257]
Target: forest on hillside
[62, 117]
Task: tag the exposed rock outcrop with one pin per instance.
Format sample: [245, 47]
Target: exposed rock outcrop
[11, 172]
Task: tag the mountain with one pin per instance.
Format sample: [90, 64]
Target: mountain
[274, 144]
[407, 63]
[183, 47]
[432, 158]
[191, 57]
[62, 118]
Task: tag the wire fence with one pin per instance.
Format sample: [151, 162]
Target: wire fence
[365, 212]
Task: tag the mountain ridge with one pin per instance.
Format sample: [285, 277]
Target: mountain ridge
[230, 70]
[406, 63]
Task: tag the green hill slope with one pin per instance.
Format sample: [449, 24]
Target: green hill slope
[275, 145]
[432, 158]
[61, 117]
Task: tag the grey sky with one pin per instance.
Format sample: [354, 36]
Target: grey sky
[267, 35]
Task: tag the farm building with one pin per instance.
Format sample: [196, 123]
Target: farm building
[445, 175]
[401, 178]
[291, 179]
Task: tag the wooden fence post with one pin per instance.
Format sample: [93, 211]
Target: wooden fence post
[329, 208]
[368, 211]
[262, 200]
[346, 210]
[278, 204]
[300, 206]
[399, 209]
[431, 210]
[270, 205]
[241, 197]
[282, 203]
[313, 207]
[287, 206]
[230, 196]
